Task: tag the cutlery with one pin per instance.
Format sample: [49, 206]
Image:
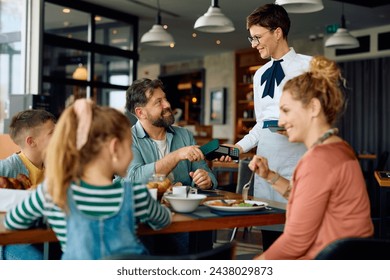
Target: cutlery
[227, 203]
[245, 188]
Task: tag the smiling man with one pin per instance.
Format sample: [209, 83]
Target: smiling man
[159, 147]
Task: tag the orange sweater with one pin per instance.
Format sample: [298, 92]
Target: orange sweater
[328, 201]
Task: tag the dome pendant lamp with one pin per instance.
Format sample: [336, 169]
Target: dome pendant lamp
[342, 39]
[214, 21]
[301, 6]
[157, 36]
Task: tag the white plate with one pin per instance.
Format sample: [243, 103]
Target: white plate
[260, 205]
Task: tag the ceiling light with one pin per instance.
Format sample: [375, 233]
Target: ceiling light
[214, 21]
[301, 6]
[81, 73]
[342, 39]
[157, 36]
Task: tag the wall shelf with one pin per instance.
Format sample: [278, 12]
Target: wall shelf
[247, 62]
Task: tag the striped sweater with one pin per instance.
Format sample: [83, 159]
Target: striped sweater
[99, 201]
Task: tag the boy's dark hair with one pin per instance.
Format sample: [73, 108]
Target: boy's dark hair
[28, 119]
[270, 16]
[136, 94]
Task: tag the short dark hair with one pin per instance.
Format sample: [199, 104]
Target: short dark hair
[270, 16]
[136, 94]
[28, 119]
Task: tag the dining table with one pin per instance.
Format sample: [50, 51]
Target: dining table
[203, 218]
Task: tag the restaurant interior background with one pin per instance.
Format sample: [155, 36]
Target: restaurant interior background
[50, 56]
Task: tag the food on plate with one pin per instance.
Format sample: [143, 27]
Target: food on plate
[217, 203]
[21, 182]
[233, 203]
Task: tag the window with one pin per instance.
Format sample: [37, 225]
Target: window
[88, 53]
[12, 14]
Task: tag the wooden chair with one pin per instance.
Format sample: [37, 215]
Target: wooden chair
[226, 251]
[243, 176]
[269, 233]
[356, 249]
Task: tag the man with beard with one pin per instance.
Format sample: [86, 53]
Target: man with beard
[160, 148]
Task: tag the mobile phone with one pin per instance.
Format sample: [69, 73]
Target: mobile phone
[213, 150]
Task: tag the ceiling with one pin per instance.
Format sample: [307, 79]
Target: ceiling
[182, 14]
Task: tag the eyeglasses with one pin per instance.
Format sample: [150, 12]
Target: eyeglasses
[257, 38]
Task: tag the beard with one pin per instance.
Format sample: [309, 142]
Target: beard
[164, 121]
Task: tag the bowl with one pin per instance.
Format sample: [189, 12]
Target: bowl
[183, 204]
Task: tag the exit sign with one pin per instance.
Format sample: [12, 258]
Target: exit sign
[331, 28]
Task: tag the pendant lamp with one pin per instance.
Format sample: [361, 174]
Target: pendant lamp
[214, 21]
[342, 39]
[301, 6]
[81, 73]
[157, 36]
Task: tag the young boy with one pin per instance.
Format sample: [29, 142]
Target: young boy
[31, 131]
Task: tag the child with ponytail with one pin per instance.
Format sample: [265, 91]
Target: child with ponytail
[92, 217]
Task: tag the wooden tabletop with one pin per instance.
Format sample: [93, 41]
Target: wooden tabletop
[180, 223]
[223, 164]
[367, 156]
[381, 182]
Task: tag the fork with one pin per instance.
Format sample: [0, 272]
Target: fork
[245, 188]
[227, 203]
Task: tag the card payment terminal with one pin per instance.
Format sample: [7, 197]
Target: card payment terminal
[213, 150]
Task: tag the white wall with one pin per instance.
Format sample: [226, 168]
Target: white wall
[150, 71]
[220, 70]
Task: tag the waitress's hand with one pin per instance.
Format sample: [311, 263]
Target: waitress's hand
[228, 158]
[224, 159]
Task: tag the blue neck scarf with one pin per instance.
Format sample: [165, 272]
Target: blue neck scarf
[272, 74]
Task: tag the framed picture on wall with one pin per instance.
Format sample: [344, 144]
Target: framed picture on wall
[218, 106]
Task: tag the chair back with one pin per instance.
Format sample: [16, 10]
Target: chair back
[243, 176]
[226, 251]
[356, 249]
